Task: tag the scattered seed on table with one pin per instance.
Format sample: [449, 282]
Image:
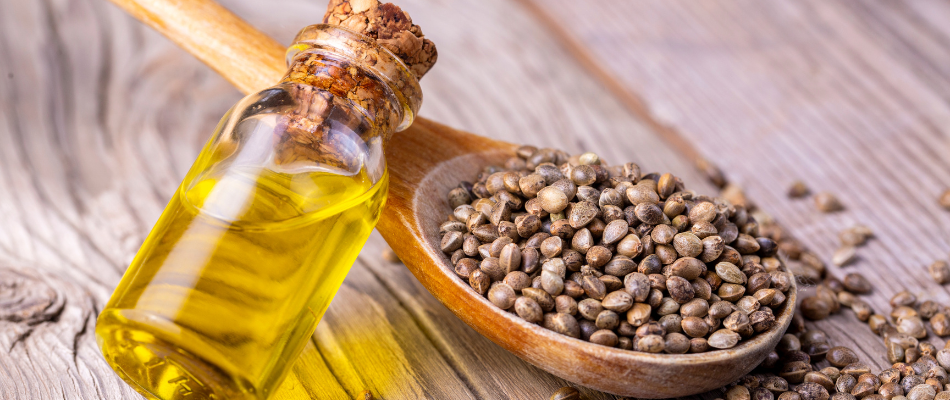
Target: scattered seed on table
[844, 255]
[734, 194]
[944, 200]
[856, 283]
[711, 171]
[912, 326]
[815, 308]
[827, 202]
[841, 356]
[812, 391]
[566, 393]
[738, 392]
[798, 189]
[940, 271]
[940, 324]
[903, 298]
[390, 256]
[862, 310]
[855, 236]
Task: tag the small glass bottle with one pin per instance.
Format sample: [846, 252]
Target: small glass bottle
[229, 286]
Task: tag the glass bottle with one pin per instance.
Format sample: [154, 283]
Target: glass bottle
[231, 282]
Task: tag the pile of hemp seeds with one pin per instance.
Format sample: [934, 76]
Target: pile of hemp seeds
[612, 256]
[804, 365]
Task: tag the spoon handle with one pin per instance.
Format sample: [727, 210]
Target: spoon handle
[217, 37]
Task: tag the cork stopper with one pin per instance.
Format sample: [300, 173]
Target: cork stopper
[362, 64]
[390, 26]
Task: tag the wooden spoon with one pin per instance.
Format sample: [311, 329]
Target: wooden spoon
[425, 162]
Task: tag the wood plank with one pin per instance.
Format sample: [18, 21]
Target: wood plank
[311, 378]
[90, 181]
[63, 234]
[913, 34]
[102, 130]
[773, 92]
[100, 134]
[371, 342]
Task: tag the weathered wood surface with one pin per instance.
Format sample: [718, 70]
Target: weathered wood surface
[101, 118]
[848, 96]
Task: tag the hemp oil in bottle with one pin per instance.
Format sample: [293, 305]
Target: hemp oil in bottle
[230, 284]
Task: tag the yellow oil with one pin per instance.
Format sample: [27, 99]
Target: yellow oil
[229, 286]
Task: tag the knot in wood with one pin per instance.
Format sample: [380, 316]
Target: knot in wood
[27, 299]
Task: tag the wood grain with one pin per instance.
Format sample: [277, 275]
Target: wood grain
[102, 117]
[98, 132]
[849, 96]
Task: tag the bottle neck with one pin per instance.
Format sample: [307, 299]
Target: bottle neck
[355, 68]
[341, 100]
[318, 79]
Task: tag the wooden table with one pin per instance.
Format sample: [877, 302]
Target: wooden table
[100, 118]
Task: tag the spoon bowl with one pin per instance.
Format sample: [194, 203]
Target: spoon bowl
[428, 160]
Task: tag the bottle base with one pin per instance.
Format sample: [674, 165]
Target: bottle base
[161, 370]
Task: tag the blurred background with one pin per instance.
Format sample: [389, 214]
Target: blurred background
[100, 118]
